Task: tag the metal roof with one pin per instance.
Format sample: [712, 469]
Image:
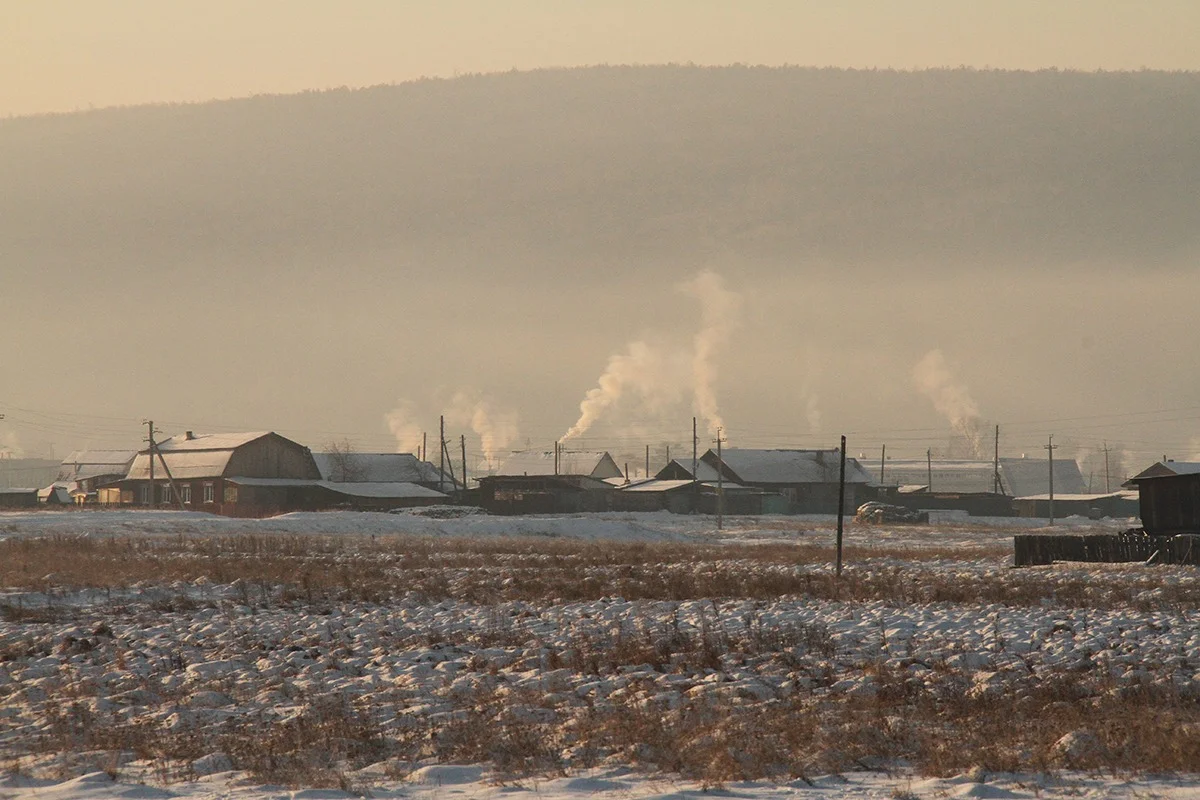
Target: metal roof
[184, 465]
[381, 490]
[83, 464]
[1167, 469]
[210, 441]
[788, 466]
[379, 468]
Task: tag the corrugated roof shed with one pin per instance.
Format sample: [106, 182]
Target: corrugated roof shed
[788, 466]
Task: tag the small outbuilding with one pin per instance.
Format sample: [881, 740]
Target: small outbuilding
[1169, 497]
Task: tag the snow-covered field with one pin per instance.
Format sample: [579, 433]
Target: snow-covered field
[158, 654]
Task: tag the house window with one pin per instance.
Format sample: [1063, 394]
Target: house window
[231, 494]
[185, 493]
[209, 493]
[166, 493]
[145, 495]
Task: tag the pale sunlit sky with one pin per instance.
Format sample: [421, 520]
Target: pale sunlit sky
[65, 55]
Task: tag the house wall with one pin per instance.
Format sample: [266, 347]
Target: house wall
[1170, 504]
[272, 456]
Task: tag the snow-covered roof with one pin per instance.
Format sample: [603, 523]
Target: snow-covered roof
[378, 468]
[381, 490]
[593, 464]
[943, 475]
[185, 465]
[788, 466]
[1082, 497]
[1021, 477]
[1165, 469]
[244, 481]
[60, 491]
[83, 464]
[210, 441]
[667, 485]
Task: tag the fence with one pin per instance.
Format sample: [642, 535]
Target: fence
[1038, 548]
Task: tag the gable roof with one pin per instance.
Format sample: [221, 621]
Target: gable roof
[704, 470]
[788, 466]
[593, 464]
[949, 475]
[191, 456]
[1167, 469]
[380, 468]
[1021, 477]
[83, 464]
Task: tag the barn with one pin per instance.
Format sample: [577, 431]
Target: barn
[236, 474]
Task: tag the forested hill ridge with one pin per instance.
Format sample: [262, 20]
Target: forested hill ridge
[558, 168]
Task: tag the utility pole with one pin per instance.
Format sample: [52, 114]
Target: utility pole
[462, 440]
[150, 439]
[929, 469]
[647, 461]
[1050, 448]
[720, 482]
[996, 464]
[695, 451]
[841, 506]
[882, 462]
[1107, 488]
[424, 448]
[442, 454]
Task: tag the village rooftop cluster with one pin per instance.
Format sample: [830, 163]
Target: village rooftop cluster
[262, 473]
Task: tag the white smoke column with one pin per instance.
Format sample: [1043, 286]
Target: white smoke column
[932, 376]
[1195, 448]
[812, 411]
[636, 369]
[10, 445]
[496, 429]
[720, 310]
[402, 425]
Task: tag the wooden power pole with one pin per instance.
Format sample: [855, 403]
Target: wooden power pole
[1050, 448]
[841, 511]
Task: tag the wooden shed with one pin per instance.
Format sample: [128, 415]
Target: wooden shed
[1169, 497]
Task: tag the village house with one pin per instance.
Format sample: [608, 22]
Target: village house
[237, 474]
[89, 474]
[545, 482]
[807, 479]
[380, 481]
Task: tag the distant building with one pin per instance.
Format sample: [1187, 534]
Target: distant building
[351, 467]
[1018, 477]
[808, 479]
[543, 494]
[88, 471]
[598, 465]
[1169, 497]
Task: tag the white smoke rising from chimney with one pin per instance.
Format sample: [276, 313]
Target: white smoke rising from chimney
[639, 369]
[720, 310]
[812, 411]
[933, 378]
[401, 423]
[496, 429]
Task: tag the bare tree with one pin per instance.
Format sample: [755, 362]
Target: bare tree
[346, 466]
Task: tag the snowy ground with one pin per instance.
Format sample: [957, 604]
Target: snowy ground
[465, 677]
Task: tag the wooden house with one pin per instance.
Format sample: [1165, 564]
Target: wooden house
[807, 479]
[1169, 497]
[237, 474]
[87, 471]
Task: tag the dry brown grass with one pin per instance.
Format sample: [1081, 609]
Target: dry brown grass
[269, 569]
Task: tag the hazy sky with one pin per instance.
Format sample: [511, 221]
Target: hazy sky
[64, 55]
[321, 311]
